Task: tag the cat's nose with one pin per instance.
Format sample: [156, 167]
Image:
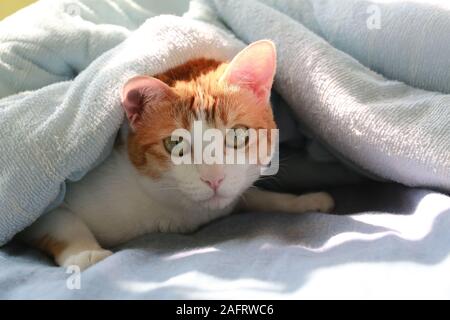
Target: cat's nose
[213, 183]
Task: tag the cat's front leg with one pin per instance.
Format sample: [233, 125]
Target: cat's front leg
[66, 238]
[261, 200]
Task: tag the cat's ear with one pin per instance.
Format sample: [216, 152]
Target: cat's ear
[142, 92]
[253, 68]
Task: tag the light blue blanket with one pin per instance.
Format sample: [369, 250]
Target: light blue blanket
[398, 132]
[64, 125]
[47, 135]
[60, 77]
[397, 248]
[58, 132]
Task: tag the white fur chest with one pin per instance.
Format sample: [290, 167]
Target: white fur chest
[117, 208]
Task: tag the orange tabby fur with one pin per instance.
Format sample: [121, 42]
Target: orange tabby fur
[114, 204]
[196, 90]
[50, 245]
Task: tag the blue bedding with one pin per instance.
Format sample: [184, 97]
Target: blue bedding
[393, 242]
[59, 96]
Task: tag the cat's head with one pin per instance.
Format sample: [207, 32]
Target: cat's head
[207, 92]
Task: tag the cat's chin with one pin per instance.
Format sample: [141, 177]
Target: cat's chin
[217, 202]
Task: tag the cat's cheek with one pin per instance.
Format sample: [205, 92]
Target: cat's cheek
[238, 179]
[186, 179]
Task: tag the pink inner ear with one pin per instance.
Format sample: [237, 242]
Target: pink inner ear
[140, 92]
[132, 104]
[254, 68]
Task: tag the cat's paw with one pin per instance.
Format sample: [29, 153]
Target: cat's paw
[87, 258]
[315, 202]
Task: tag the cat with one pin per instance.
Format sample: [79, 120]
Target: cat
[139, 190]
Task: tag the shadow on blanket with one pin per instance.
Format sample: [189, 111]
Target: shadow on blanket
[276, 253]
[289, 270]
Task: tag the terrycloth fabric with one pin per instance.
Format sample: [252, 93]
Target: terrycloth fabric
[52, 41]
[61, 131]
[48, 135]
[403, 40]
[397, 132]
[397, 248]
[394, 243]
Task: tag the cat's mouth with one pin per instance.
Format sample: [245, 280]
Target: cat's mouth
[215, 198]
[216, 201]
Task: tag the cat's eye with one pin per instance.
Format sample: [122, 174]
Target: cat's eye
[176, 146]
[237, 137]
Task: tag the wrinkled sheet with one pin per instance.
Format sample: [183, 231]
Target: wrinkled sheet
[58, 132]
[387, 241]
[393, 244]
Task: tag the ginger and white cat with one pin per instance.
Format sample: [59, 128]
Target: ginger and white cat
[139, 190]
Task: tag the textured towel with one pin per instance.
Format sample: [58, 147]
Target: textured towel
[61, 131]
[396, 247]
[52, 41]
[388, 128]
[49, 135]
[405, 40]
